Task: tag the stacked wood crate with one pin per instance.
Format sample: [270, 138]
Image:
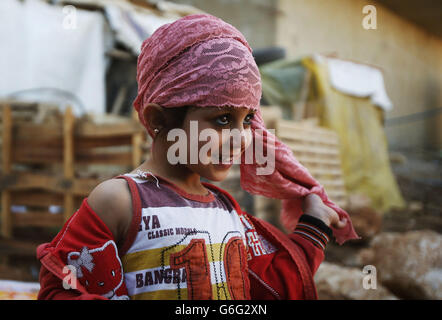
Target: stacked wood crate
[316, 148]
[49, 166]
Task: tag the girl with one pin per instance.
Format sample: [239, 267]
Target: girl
[158, 232]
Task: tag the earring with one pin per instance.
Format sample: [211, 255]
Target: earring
[156, 130]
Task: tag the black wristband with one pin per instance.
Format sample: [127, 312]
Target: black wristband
[317, 223]
[315, 230]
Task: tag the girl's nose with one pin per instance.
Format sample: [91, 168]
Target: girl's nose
[239, 141]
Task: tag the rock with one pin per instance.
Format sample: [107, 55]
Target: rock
[366, 220]
[409, 264]
[345, 255]
[335, 282]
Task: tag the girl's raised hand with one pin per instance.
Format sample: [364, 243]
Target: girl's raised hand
[314, 206]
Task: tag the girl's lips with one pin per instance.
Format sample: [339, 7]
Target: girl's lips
[224, 164]
[226, 161]
[230, 160]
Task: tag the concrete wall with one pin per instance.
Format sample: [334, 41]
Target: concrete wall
[411, 58]
[256, 19]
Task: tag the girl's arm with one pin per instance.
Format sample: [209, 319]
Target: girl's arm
[313, 230]
[111, 201]
[82, 261]
[282, 266]
[312, 235]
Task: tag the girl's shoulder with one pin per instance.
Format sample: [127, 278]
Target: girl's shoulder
[111, 201]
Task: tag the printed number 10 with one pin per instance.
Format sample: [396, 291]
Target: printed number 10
[194, 259]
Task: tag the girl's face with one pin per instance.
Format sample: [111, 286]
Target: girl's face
[219, 136]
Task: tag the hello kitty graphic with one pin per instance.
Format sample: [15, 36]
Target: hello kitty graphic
[98, 270]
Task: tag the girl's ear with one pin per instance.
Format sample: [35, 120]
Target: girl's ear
[154, 117]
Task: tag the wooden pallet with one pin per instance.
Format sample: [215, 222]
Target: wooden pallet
[48, 164]
[317, 149]
[314, 147]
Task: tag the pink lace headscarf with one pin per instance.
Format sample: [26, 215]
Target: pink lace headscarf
[200, 60]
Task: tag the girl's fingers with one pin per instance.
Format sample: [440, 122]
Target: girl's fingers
[340, 223]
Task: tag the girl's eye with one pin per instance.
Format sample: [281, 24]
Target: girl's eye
[222, 120]
[248, 119]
